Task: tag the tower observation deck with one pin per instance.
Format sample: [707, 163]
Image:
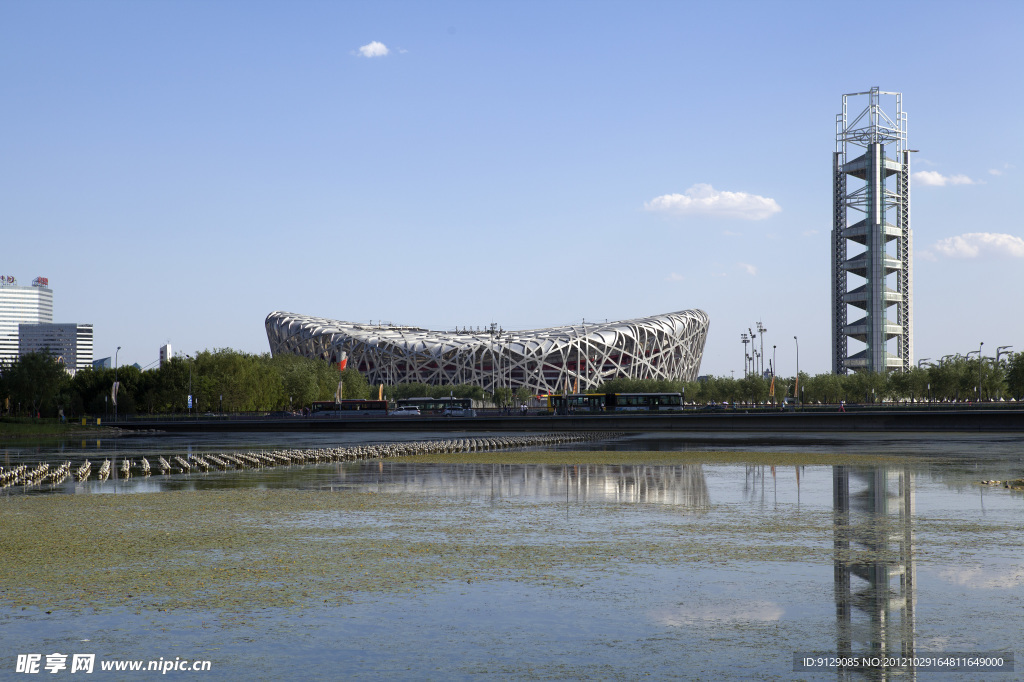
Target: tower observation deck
[872, 273]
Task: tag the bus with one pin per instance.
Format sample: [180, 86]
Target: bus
[349, 408]
[577, 403]
[644, 402]
[459, 407]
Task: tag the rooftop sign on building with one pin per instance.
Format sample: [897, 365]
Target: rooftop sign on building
[41, 282]
[8, 281]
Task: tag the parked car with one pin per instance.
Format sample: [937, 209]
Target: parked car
[406, 411]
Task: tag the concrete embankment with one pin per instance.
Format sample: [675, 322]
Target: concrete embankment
[863, 420]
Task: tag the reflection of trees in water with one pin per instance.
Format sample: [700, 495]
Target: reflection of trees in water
[874, 562]
[682, 485]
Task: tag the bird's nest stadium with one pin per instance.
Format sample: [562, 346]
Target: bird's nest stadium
[575, 357]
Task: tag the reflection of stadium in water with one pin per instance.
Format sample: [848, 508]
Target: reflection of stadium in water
[682, 485]
[874, 562]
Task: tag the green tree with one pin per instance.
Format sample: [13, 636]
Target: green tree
[502, 397]
[34, 381]
[356, 386]
[1015, 376]
[523, 395]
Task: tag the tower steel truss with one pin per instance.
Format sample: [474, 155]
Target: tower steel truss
[875, 216]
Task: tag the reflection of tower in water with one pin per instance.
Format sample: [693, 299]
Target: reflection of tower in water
[874, 563]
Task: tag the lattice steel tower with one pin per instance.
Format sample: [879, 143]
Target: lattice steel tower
[880, 215]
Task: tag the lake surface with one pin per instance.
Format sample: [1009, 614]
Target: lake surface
[697, 570]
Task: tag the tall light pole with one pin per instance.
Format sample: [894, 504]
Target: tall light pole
[761, 330]
[774, 401]
[116, 387]
[753, 351]
[745, 339]
[796, 385]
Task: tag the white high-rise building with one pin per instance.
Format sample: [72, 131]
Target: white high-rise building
[22, 305]
[165, 354]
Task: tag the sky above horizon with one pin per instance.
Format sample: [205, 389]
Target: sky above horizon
[179, 170]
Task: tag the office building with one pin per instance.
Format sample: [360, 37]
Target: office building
[69, 342]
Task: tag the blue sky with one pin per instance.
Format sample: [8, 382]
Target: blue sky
[178, 170]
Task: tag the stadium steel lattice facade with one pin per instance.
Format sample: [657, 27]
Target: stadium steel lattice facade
[573, 358]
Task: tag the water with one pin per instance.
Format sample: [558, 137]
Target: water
[696, 570]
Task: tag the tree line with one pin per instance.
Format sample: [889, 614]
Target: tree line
[222, 380]
[954, 379]
[225, 380]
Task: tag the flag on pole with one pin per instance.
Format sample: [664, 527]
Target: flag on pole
[113, 391]
[380, 392]
[340, 393]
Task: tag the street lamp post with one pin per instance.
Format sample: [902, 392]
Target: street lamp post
[774, 401]
[189, 358]
[981, 367]
[796, 385]
[116, 387]
[967, 359]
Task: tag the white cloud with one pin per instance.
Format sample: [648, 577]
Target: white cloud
[674, 277]
[746, 611]
[936, 179]
[703, 199]
[751, 269]
[374, 49]
[1007, 578]
[974, 244]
